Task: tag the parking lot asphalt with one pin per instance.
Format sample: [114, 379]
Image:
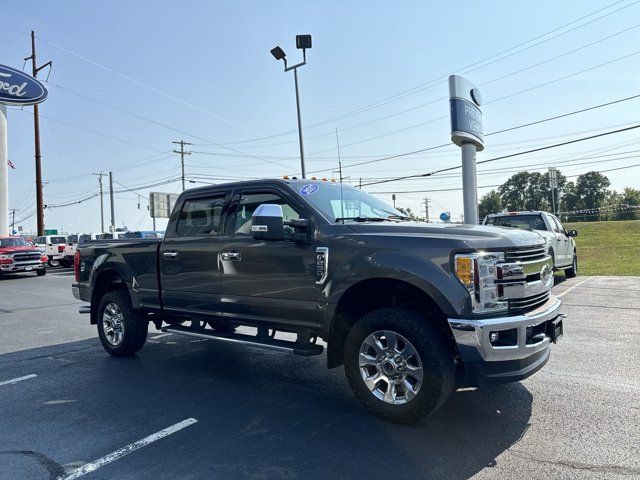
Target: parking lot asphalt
[196, 409]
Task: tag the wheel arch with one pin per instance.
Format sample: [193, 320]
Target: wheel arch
[375, 293]
[106, 280]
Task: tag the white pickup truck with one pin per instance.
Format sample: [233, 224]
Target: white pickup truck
[53, 246]
[559, 241]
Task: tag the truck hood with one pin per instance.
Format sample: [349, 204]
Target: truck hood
[9, 250]
[478, 236]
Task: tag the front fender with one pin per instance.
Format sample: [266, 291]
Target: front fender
[429, 275]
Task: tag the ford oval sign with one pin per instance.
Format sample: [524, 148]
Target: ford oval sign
[18, 88]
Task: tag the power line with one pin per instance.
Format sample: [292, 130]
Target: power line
[415, 107]
[462, 70]
[535, 87]
[547, 147]
[499, 184]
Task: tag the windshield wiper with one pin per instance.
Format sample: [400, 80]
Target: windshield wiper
[361, 219]
[399, 217]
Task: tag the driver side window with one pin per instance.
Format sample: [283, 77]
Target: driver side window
[240, 222]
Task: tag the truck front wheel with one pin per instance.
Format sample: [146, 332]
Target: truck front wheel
[398, 365]
[573, 270]
[121, 329]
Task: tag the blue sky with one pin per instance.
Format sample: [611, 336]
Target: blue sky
[131, 77]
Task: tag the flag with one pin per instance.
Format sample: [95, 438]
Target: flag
[10, 163]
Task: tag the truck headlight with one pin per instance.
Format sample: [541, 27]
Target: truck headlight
[477, 272]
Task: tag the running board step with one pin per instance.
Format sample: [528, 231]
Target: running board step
[297, 348]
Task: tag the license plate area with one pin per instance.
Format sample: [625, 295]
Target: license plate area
[555, 329]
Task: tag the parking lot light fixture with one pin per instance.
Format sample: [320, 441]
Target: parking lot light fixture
[303, 42]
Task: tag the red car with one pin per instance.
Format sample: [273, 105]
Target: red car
[18, 255]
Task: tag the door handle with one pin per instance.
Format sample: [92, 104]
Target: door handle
[170, 255]
[232, 256]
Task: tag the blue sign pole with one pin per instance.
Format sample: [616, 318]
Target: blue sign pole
[466, 132]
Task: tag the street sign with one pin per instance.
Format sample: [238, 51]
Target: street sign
[161, 204]
[553, 177]
[52, 231]
[18, 88]
[445, 216]
[466, 116]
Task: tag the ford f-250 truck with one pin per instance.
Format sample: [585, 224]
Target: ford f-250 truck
[412, 310]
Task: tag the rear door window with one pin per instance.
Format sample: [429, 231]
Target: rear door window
[201, 216]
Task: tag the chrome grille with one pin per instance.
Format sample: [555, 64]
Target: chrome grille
[524, 255]
[520, 279]
[26, 257]
[528, 303]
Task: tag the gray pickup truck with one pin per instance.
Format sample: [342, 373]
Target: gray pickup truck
[412, 310]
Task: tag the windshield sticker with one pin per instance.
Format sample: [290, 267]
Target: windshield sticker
[309, 189]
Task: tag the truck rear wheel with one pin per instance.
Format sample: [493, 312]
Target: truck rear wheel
[121, 329]
[399, 367]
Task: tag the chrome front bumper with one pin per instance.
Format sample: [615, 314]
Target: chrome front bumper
[472, 335]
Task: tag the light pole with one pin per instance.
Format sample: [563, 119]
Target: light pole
[302, 42]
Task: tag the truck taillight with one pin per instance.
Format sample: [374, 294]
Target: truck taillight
[76, 265]
[44, 259]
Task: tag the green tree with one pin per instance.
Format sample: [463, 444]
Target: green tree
[623, 204]
[525, 191]
[489, 203]
[569, 199]
[513, 192]
[593, 189]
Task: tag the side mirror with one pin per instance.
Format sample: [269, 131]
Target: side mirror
[267, 222]
[572, 233]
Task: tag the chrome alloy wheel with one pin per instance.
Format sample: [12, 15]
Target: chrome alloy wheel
[113, 324]
[390, 367]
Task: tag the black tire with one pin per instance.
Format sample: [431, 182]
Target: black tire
[41, 272]
[573, 270]
[135, 325]
[433, 348]
[65, 263]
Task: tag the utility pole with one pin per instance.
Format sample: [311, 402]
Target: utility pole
[553, 184]
[36, 130]
[426, 209]
[182, 153]
[13, 221]
[100, 175]
[113, 215]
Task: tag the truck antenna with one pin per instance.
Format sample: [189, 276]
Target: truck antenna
[340, 173]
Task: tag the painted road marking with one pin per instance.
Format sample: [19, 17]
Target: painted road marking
[19, 379]
[161, 335]
[575, 286]
[132, 447]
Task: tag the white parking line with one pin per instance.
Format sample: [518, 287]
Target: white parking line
[161, 335]
[574, 286]
[132, 447]
[19, 379]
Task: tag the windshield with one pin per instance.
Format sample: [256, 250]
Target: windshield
[524, 222]
[348, 204]
[13, 242]
[57, 240]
